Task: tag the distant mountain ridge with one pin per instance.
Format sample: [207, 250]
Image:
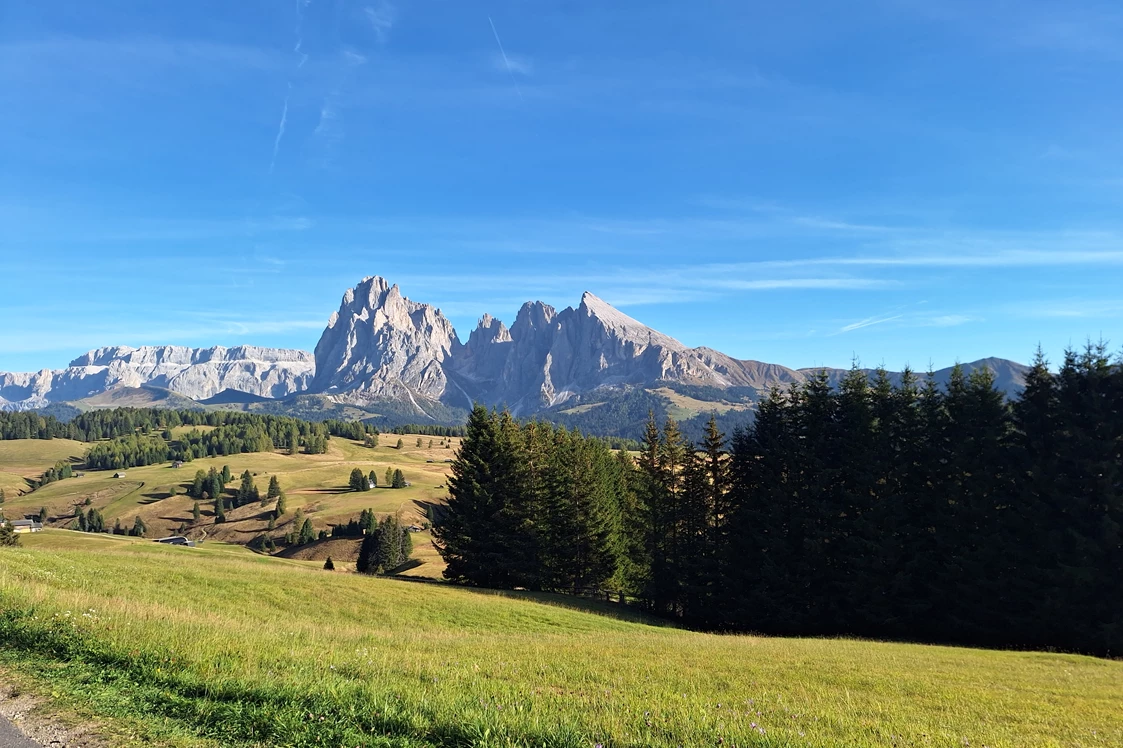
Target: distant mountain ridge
[195, 373]
[382, 353]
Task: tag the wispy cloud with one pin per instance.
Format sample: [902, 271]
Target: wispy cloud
[1070, 309]
[901, 318]
[869, 322]
[513, 63]
[381, 18]
[773, 284]
[203, 333]
[1088, 28]
[329, 128]
[951, 320]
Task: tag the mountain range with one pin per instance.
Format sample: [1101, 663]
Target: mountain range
[388, 357]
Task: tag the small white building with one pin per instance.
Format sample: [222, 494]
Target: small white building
[119, 474]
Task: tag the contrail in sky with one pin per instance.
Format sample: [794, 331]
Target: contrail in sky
[506, 62]
[280, 131]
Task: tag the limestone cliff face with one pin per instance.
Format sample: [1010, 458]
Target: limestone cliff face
[550, 357]
[380, 345]
[197, 373]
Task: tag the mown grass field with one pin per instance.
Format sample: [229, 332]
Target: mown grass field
[217, 646]
[315, 484]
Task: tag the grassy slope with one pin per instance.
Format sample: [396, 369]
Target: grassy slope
[217, 646]
[681, 407]
[317, 484]
[28, 458]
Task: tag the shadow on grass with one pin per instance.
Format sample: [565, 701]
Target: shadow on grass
[582, 604]
[571, 602]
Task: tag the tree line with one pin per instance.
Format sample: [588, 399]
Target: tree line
[887, 509]
[112, 423]
[140, 448]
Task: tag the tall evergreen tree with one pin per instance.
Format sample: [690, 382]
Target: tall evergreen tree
[358, 481]
[139, 528]
[481, 536]
[247, 490]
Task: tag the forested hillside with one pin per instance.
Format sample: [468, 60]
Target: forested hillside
[906, 510]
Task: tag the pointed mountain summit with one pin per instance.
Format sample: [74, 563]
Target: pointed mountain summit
[382, 346]
[402, 361]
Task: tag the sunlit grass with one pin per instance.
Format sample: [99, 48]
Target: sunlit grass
[316, 484]
[217, 646]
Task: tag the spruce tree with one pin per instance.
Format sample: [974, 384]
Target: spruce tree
[196, 514]
[368, 552]
[482, 536]
[199, 485]
[246, 489]
[282, 503]
[398, 480]
[215, 484]
[357, 481]
[219, 511]
[389, 477]
[401, 444]
[43, 515]
[274, 489]
[389, 553]
[3, 496]
[307, 533]
[328, 565]
[139, 528]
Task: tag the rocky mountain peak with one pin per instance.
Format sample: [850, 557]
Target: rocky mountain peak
[621, 326]
[533, 315]
[380, 344]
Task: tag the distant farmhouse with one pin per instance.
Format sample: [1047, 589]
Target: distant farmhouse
[119, 474]
[26, 525]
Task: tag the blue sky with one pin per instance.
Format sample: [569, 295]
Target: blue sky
[801, 182]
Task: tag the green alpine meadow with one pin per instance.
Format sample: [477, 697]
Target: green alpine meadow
[216, 646]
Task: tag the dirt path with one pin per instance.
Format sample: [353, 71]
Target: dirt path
[24, 725]
[10, 737]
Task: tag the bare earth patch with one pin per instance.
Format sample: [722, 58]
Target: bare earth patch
[30, 715]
